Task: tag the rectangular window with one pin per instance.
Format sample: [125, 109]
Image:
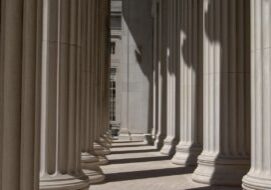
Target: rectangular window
[115, 22]
[113, 47]
[112, 90]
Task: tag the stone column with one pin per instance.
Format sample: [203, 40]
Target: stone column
[108, 134]
[226, 100]
[106, 141]
[100, 150]
[157, 132]
[19, 132]
[170, 141]
[124, 132]
[260, 172]
[191, 61]
[89, 162]
[60, 135]
[105, 137]
[161, 78]
[154, 71]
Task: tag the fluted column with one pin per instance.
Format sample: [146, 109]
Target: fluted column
[107, 66]
[157, 132]
[170, 141]
[105, 136]
[89, 162]
[19, 65]
[226, 100]
[100, 150]
[190, 29]
[154, 70]
[161, 75]
[260, 172]
[60, 135]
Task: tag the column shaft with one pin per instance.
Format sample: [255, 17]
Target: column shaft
[225, 156]
[191, 62]
[162, 71]
[157, 132]
[89, 161]
[260, 171]
[170, 141]
[18, 96]
[105, 141]
[60, 145]
[100, 145]
[160, 133]
[154, 70]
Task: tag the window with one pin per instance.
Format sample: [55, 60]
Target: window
[115, 22]
[112, 90]
[113, 47]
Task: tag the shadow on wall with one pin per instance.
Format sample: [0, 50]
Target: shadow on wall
[137, 15]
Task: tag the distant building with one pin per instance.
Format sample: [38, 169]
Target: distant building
[116, 58]
[131, 66]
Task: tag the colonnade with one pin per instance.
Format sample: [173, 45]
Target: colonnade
[211, 78]
[217, 59]
[54, 93]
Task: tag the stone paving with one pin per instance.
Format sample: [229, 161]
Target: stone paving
[136, 166]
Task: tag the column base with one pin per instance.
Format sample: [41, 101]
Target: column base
[133, 137]
[148, 139]
[124, 135]
[169, 146]
[101, 153]
[215, 170]
[64, 182]
[158, 142]
[91, 168]
[105, 142]
[186, 154]
[103, 160]
[94, 176]
[108, 138]
[99, 149]
[256, 181]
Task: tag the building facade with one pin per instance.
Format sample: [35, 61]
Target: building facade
[116, 64]
[131, 63]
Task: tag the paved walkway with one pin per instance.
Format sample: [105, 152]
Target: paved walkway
[137, 166]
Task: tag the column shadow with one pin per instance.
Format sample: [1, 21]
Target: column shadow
[134, 151]
[216, 188]
[136, 160]
[147, 174]
[123, 146]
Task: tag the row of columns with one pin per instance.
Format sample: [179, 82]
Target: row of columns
[54, 93]
[216, 54]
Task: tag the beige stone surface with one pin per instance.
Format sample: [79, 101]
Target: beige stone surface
[136, 166]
